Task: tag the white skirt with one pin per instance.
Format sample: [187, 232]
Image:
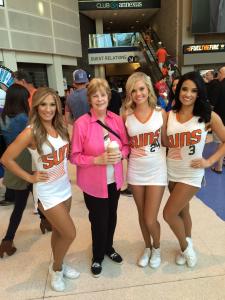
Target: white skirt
[179, 172]
[147, 171]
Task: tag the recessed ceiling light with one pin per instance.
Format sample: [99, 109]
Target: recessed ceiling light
[137, 21]
[143, 15]
[110, 22]
[115, 14]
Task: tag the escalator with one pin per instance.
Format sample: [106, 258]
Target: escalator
[148, 60]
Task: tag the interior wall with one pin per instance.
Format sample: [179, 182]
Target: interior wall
[120, 69]
[87, 26]
[164, 22]
[48, 26]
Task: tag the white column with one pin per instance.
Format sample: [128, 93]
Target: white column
[9, 59]
[99, 69]
[55, 75]
[99, 25]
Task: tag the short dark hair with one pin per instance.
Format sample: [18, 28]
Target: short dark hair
[23, 75]
[202, 108]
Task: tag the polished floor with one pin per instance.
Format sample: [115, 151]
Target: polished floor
[25, 275]
[213, 193]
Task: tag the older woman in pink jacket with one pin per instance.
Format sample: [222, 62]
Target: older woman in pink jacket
[100, 171]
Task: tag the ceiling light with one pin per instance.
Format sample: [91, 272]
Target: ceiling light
[41, 8]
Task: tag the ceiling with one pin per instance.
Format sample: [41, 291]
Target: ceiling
[125, 20]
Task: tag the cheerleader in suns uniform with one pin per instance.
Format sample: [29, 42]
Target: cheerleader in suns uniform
[187, 126]
[147, 174]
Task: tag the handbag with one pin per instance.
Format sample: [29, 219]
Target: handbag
[107, 127]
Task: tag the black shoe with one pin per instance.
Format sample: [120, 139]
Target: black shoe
[114, 256]
[126, 192]
[6, 203]
[96, 269]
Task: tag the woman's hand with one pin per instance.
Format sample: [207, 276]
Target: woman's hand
[200, 163]
[108, 158]
[39, 176]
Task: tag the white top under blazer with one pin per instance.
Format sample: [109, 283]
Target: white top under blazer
[186, 142]
[147, 161]
[58, 188]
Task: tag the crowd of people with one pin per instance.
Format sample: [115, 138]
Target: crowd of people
[162, 146]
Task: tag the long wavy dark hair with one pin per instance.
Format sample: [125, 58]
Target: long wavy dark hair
[16, 101]
[202, 108]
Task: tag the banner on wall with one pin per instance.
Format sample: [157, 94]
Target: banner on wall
[111, 5]
[203, 48]
[112, 58]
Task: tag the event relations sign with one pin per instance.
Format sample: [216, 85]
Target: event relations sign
[204, 48]
[110, 5]
[112, 58]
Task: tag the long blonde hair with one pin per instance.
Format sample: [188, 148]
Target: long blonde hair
[38, 130]
[129, 103]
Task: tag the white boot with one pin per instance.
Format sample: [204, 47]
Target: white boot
[189, 254]
[144, 259]
[155, 259]
[57, 281]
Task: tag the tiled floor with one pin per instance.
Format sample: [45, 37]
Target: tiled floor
[25, 274]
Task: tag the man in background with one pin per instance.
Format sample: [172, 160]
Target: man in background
[161, 54]
[77, 103]
[24, 78]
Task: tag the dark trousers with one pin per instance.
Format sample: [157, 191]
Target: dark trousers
[103, 218]
[9, 195]
[20, 198]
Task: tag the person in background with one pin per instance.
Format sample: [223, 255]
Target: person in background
[162, 93]
[147, 173]
[171, 95]
[212, 86]
[115, 102]
[13, 120]
[164, 70]
[24, 78]
[161, 54]
[77, 103]
[187, 126]
[47, 140]
[100, 171]
[219, 108]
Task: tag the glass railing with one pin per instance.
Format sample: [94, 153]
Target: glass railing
[108, 40]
